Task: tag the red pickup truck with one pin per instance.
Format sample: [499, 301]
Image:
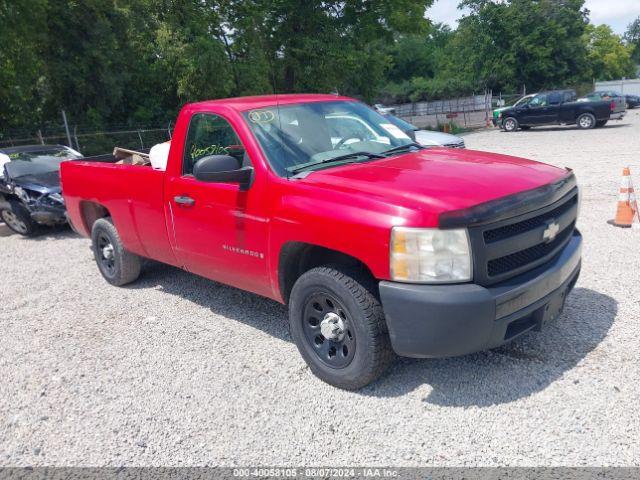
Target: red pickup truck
[378, 245]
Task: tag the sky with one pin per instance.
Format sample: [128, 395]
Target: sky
[616, 13]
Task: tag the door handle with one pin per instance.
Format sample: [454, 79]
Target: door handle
[184, 200]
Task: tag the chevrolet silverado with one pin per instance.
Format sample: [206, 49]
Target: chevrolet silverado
[378, 245]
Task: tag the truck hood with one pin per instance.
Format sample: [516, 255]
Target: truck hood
[438, 180]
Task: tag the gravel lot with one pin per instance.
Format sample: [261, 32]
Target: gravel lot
[176, 370]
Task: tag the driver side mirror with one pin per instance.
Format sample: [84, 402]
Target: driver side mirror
[222, 169]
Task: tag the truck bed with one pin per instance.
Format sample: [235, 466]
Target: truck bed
[133, 196]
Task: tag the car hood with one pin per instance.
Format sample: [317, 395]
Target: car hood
[48, 182]
[437, 180]
[427, 137]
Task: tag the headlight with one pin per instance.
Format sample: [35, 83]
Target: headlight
[56, 197]
[430, 255]
[21, 194]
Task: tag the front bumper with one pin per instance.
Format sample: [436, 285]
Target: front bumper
[450, 320]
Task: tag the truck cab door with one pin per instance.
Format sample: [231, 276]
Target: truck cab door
[536, 112]
[554, 108]
[219, 229]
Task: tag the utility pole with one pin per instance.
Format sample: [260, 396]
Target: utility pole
[66, 128]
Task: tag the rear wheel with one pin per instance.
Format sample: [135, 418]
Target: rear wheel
[601, 123]
[510, 124]
[117, 265]
[339, 327]
[586, 121]
[19, 220]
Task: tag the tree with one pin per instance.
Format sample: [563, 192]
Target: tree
[317, 45]
[537, 43]
[632, 37]
[608, 56]
[22, 79]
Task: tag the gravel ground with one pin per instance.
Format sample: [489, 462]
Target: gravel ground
[176, 370]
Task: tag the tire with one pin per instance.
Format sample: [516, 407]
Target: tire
[348, 299]
[116, 264]
[510, 124]
[601, 123]
[19, 220]
[586, 121]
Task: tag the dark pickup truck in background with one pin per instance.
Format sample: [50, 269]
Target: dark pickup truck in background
[560, 107]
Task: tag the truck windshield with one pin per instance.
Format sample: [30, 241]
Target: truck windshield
[309, 135]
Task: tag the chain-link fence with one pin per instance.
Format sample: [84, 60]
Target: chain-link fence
[465, 112]
[90, 142]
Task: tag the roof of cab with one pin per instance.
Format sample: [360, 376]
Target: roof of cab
[248, 103]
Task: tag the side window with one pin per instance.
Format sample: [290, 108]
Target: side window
[539, 101]
[210, 134]
[554, 99]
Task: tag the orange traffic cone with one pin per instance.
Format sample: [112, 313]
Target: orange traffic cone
[627, 211]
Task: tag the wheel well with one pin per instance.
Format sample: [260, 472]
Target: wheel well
[5, 198]
[297, 258]
[91, 212]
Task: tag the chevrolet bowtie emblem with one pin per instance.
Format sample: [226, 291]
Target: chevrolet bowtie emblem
[551, 231]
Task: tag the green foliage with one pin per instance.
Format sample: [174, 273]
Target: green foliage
[632, 37]
[503, 46]
[608, 56]
[21, 61]
[137, 61]
[134, 62]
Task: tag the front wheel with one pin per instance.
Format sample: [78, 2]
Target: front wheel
[117, 265]
[19, 220]
[338, 325]
[586, 121]
[510, 124]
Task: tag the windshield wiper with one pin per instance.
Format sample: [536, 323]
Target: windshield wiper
[339, 158]
[403, 147]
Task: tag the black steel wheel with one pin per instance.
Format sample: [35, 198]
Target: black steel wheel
[328, 330]
[117, 265]
[106, 254]
[338, 325]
